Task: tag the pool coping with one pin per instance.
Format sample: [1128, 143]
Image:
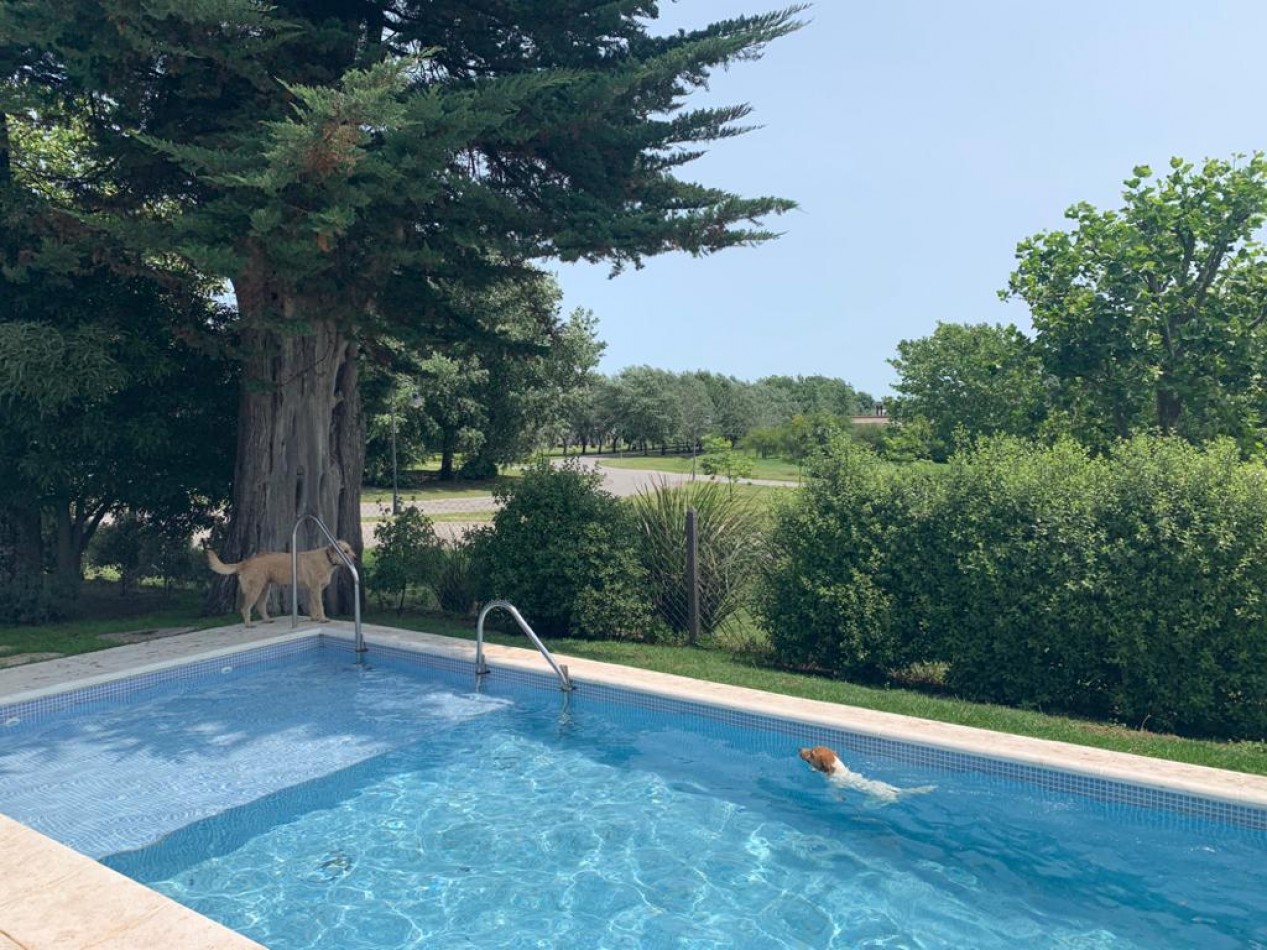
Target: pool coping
[66, 899]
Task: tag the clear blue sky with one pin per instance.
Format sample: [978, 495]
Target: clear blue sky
[922, 140]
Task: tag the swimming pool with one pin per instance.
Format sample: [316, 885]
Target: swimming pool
[310, 802]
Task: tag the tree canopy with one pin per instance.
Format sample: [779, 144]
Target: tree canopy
[1151, 316]
[340, 161]
[983, 379]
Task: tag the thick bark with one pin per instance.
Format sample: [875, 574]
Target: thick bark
[447, 450]
[1169, 409]
[301, 445]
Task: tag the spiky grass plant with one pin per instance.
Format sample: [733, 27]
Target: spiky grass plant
[729, 531]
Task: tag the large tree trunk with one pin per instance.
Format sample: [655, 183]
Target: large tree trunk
[448, 447]
[1169, 409]
[301, 444]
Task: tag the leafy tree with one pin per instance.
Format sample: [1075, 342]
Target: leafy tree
[392, 404]
[1150, 317]
[696, 411]
[527, 385]
[647, 409]
[773, 404]
[497, 395]
[339, 161]
[116, 390]
[734, 404]
[720, 459]
[821, 394]
[982, 379]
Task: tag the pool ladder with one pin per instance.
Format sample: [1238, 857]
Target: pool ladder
[358, 643]
[481, 668]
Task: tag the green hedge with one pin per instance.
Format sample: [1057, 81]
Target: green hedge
[850, 586]
[1129, 588]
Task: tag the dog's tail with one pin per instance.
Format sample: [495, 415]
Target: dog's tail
[918, 790]
[219, 566]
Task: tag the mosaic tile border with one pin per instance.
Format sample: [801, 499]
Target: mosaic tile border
[1181, 805]
[1111, 791]
[33, 711]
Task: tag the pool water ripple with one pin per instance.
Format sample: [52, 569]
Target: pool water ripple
[425, 815]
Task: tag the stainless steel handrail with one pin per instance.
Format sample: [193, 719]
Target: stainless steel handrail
[481, 668]
[359, 642]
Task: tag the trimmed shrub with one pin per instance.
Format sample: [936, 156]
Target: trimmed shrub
[565, 553]
[1023, 623]
[1129, 587]
[1185, 604]
[407, 557]
[852, 569]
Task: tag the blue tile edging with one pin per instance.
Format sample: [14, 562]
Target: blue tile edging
[122, 685]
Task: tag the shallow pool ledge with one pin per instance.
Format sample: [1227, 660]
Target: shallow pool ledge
[56, 897]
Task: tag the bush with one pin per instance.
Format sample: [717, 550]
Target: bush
[834, 596]
[1024, 624]
[407, 557]
[1185, 599]
[140, 548]
[729, 546]
[31, 599]
[455, 585]
[565, 553]
[1128, 587]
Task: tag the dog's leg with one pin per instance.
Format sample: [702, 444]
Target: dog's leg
[316, 609]
[250, 594]
[262, 605]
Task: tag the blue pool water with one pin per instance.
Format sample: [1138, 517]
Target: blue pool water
[315, 803]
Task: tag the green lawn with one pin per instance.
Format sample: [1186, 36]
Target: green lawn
[439, 491]
[154, 610]
[145, 610]
[779, 469]
[446, 516]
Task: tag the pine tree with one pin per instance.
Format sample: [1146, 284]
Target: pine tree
[335, 160]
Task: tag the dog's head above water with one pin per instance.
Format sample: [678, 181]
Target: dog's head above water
[820, 758]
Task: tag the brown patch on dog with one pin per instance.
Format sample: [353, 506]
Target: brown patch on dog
[256, 575]
[820, 758]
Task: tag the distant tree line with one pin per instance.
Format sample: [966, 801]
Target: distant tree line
[650, 409]
[499, 405]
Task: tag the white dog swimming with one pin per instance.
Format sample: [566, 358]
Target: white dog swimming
[823, 759]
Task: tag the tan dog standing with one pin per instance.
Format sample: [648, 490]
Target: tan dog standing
[256, 574]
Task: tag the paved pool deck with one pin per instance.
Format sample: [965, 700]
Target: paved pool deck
[54, 897]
